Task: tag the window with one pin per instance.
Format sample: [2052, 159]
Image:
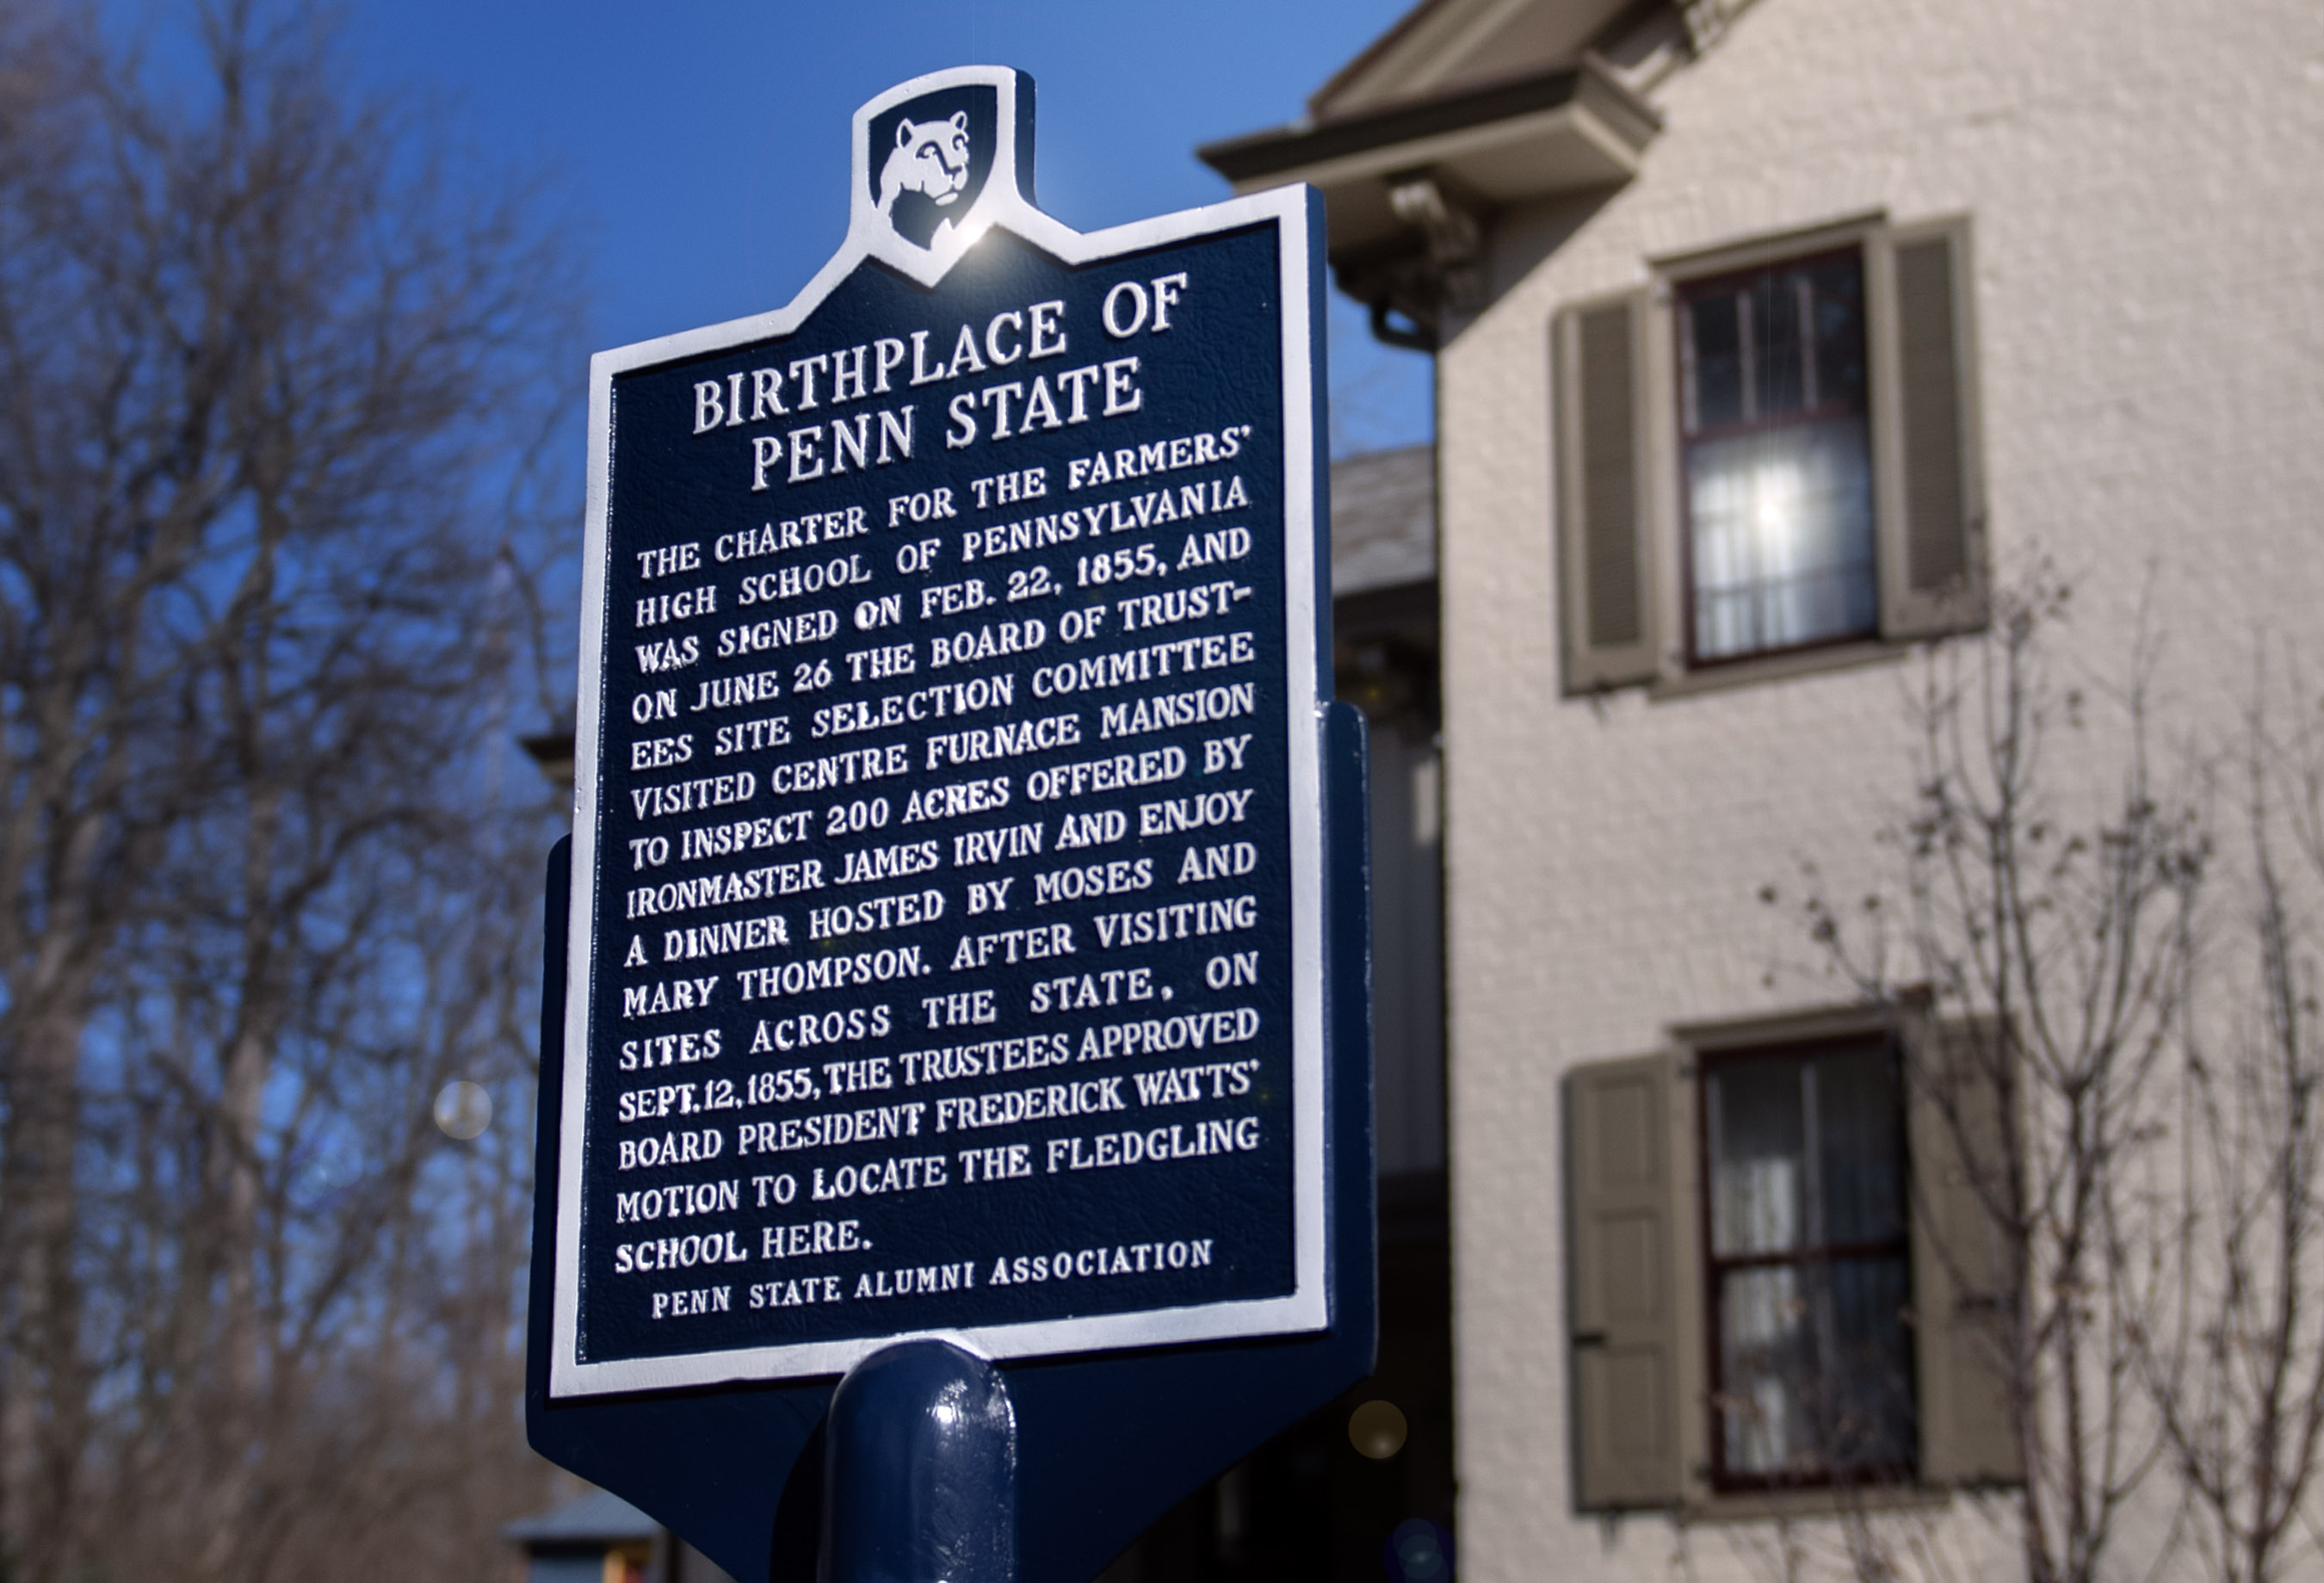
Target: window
[1779, 1281]
[1807, 1272]
[1770, 452]
[1777, 458]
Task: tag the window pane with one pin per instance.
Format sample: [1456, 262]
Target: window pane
[1714, 362]
[1836, 287]
[1759, 1158]
[1867, 1419]
[1782, 538]
[1815, 1370]
[1767, 1351]
[1779, 361]
[1860, 1146]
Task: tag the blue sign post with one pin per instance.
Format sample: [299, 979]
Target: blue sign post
[958, 973]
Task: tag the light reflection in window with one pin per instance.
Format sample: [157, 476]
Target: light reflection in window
[1778, 472]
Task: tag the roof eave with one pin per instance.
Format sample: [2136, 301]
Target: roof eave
[1387, 137]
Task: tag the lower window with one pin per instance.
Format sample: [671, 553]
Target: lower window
[1808, 1268]
[1784, 1278]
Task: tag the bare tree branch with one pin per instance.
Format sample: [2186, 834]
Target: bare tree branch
[269, 396]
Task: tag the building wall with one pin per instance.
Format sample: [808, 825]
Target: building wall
[2148, 202]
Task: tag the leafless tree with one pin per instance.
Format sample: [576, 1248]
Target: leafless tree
[267, 376]
[2045, 911]
[2234, 1363]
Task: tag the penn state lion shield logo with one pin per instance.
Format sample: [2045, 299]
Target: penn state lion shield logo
[930, 157]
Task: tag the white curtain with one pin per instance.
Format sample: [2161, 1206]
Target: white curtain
[1782, 538]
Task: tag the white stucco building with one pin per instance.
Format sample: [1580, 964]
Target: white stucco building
[1769, 336]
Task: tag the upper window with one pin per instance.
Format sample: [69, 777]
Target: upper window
[1777, 458]
[1769, 453]
[1809, 1279]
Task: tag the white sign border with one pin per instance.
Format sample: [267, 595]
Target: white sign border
[1307, 1308]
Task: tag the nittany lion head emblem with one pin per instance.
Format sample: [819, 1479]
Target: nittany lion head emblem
[929, 158]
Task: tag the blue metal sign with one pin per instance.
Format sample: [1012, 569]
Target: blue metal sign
[963, 853]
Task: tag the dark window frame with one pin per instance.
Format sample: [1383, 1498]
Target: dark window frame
[1713, 1266]
[1684, 291]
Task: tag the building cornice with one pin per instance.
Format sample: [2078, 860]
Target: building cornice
[1408, 187]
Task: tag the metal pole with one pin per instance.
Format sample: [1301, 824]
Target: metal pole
[921, 1471]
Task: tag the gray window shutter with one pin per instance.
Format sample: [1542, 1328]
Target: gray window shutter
[1627, 1296]
[1605, 563]
[1968, 1430]
[1932, 515]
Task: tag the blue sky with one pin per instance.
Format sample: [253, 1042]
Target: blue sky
[701, 147]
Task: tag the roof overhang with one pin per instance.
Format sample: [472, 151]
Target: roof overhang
[1570, 129]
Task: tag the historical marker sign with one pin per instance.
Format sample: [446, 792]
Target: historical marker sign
[965, 930]
[947, 939]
